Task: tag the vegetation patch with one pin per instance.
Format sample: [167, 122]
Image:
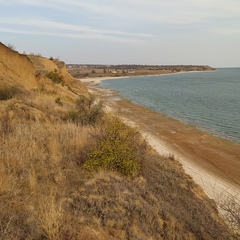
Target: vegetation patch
[88, 111]
[119, 148]
[59, 101]
[7, 92]
[55, 76]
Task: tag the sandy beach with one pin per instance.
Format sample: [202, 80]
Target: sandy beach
[212, 162]
[98, 80]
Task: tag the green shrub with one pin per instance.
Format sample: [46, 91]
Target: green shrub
[88, 111]
[55, 76]
[7, 92]
[119, 148]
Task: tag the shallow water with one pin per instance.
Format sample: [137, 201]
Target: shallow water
[207, 100]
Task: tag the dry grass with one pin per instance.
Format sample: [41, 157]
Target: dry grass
[45, 193]
[35, 159]
[37, 155]
[159, 204]
[50, 215]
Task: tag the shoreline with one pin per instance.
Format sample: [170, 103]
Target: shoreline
[94, 82]
[212, 162]
[97, 80]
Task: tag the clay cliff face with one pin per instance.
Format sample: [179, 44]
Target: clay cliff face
[29, 71]
[16, 68]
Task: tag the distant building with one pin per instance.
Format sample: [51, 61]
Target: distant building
[131, 71]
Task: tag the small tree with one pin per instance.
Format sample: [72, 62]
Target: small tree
[231, 208]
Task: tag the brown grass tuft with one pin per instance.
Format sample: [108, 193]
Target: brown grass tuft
[49, 215]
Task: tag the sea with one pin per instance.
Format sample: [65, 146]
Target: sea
[209, 101]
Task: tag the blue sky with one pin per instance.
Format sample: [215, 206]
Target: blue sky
[205, 32]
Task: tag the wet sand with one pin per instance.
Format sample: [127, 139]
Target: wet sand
[212, 162]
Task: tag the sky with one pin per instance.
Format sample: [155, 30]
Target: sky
[159, 32]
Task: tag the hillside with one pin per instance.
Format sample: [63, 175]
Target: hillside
[69, 171]
[29, 72]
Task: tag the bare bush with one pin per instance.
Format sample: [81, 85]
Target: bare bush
[11, 46]
[230, 205]
[89, 111]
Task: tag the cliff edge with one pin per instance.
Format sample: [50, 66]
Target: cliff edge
[31, 71]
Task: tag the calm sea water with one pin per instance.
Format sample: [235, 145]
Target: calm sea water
[207, 100]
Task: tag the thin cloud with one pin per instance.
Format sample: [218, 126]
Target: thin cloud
[48, 24]
[158, 25]
[69, 27]
[83, 35]
[164, 11]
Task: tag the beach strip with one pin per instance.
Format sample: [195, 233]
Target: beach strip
[98, 80]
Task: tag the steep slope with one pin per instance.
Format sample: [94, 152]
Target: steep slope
[16, 68]
[29, 72]
[31, 94]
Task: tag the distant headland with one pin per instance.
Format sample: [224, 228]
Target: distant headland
[96, 70]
